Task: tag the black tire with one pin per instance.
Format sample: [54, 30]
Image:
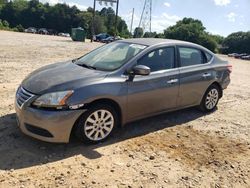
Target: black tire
[80, 131]
[203, 106]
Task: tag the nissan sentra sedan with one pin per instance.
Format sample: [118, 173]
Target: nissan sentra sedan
[120, 82]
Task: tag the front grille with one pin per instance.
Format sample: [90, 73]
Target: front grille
[22, 96]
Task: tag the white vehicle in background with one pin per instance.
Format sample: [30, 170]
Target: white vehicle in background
[30, 30]
[64, 34]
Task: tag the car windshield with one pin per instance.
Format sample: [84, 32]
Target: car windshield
[111, 56]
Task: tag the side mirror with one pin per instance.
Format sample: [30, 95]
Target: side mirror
[141, 70]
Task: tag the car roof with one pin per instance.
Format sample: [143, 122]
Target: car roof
[157, 41]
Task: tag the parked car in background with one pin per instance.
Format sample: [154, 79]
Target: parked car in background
[64, 34]
[100, 37]
[30, 30]
[232, 55]
[118, 83]
[110, 39]
[43, 31]
[52, 32]
[67, 35]
[247, 57]
[238, 56]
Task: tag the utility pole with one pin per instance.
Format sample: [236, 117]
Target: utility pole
[132, 20]
[142, 14]
[150, 19]
[146, 16]
[93, 22]
[116, 16]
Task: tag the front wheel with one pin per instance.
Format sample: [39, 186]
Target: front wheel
[210, 99]
[97, 124]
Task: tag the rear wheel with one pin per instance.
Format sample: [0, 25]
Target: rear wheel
[210, 99]
[97, 124]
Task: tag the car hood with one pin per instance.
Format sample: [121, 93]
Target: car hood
[60, 77]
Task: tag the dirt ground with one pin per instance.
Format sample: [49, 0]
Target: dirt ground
[180, 149]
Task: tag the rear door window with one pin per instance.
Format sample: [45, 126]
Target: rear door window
[190, 56]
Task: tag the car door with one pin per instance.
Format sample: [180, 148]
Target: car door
[195, 75]
[158, 91]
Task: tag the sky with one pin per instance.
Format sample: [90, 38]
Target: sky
[218, 16]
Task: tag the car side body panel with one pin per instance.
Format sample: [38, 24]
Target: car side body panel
[151, 94]
[114, 89]
[137, 96]
[194, 81]
[220, 71]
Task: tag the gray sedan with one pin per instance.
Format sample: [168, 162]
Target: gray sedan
[118, 83]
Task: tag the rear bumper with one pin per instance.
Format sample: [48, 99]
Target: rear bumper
[49, 126]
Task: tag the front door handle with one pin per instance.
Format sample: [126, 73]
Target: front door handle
[172, 81]
[205, 75]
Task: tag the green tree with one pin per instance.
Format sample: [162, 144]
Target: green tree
[109, 20]
[85, 21]
[5, 24]
[59, 17]
[238, 42]
[149, 35]
[191, 30]
[20, 28]
[218, 38]
[2, 3]
[209, 42]
[99, 25]
[138, 33]
[159, 35]
[122, 27]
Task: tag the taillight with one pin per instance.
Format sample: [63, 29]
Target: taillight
[230, 68]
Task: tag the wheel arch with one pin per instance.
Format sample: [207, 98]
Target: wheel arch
[220, 88]
[201, 105]
[107, 101]
[218, 85]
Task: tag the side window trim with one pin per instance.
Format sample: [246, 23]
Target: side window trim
[205, 60]
[212, 56]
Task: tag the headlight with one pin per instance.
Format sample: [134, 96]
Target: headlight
[56, 99]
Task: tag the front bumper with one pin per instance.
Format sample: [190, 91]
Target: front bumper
[49, 126]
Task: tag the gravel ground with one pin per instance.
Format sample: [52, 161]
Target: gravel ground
[180, 149]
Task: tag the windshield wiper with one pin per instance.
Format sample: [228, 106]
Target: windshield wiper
[74, 60]
[87, 66]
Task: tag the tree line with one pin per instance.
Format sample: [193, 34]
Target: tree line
[20, 14]
[192, 30]
[60, 17]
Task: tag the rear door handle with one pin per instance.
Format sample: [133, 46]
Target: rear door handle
[206, 75]
[172, 81]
